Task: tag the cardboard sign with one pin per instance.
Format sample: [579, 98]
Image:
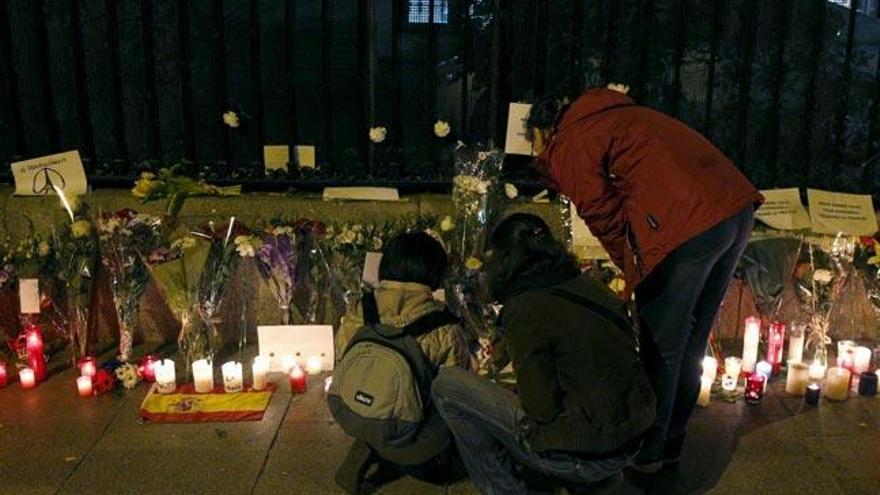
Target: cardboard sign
[584, 244]
[362, 193]
[276, 157]
[782, 209]
[299, 341]
[833, 213]
[371, 269]
[305, 156]
[29, 295]
[37, 176]
[516, 142]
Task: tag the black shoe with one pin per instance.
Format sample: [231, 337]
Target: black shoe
[650, 457]
[672, 450]
[351, 473]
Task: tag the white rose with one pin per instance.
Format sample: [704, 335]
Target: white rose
[511, 191]
[230, 118]
[442, 129]
[620, 88]
[378, 134]
[822, 276]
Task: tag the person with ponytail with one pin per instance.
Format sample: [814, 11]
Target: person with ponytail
[583, 402]
[673, 213]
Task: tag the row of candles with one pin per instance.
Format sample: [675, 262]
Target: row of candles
[35, 371]
[801, 380]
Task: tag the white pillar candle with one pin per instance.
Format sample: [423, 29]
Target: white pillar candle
[796, 344]
[710, 368]
[232, 377]
[166, 378]
[705, 391]
[728, 382]
[314, 365]
[733, 366]
[817, 370]
[261, 372]
[287, 363]
[797, 379]
[862, 359]
[26, 378]
[84, 386]
[837, 383]
[751, 337]
[203, 376]
[845, 350]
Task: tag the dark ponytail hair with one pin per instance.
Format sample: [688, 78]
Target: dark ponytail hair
[526, 255]
[546, 113]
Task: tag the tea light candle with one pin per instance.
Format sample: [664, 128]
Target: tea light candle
[146, 368]
[837, 384]
[733, 366]
[796, 344]
[705, 391]
[861, 359]
[261, 372]
[775, 342]
[87, 367]
[3, 377]
[166, 378]
[287, 363]
[797, 379]
[84, 386]
[811, 398]
[297, 380]
[817, 370]
[26, 378]
[868, 384]
[233, 381]
[203, 376]
[728, 382]
[314, 365]
[710, 368]
[755, 387]
[751, 337]
[845, 350]
[766, 369]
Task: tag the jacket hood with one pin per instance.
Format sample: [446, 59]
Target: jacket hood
[399, 303]
[591, 102]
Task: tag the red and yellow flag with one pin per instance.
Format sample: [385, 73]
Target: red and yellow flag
[186, 406]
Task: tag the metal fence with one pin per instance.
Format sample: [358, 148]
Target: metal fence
[788, 88]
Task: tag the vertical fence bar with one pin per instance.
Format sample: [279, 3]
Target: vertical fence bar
[709, 124]
[843, 90]
[750, 20]
[815, 55]
[782, 29]
[680, 42]
[366, 68]
[11, 137]
[870, 158]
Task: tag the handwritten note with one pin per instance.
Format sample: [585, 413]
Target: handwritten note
[37, 176]
[516, 142]
[276, 157]
[305, 156]
[782, 209]
[833, 213]
[29, 295]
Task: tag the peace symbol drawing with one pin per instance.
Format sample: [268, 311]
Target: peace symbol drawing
[45, 178]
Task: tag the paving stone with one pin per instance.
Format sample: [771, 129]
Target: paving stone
[860, 486]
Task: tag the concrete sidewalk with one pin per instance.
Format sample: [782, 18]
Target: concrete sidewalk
[52, 441]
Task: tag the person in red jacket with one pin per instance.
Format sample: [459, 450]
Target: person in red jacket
[673, 213]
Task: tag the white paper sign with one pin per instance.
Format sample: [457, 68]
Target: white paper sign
[305, 156]
[35, 177]
[362, 193]
[275, 157]
[29, 295]
[371, 269]
[299, 341]
[782, 209]
[516, 142]
[584, 244]
[833, 213]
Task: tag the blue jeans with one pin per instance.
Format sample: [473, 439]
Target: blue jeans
[485, 420]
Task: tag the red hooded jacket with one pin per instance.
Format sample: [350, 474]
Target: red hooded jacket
[644, 182]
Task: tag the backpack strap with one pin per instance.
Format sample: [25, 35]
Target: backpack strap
[431, 321]
[370, 308]
[617, 320]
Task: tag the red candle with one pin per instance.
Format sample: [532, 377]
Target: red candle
[36, 359]
[775, 342]
[26, 378]
[148, 373]
[87, 367]
[3, 377]
[297, 380]
[755, 388]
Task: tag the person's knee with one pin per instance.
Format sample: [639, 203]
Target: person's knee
[448, 381]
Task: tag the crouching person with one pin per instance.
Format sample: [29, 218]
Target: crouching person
[583, 402]
[392, 344]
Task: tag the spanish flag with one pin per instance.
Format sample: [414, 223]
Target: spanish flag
[186, 406]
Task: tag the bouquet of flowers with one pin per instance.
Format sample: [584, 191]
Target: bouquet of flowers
[124, 235]
[345, 247]
[276, 256]
[175, 189]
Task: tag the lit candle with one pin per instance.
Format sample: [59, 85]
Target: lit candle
[36, 359]
[146, 368]
[261, 372]
[728, 382]
[861, 359]
[868, 384]
[811, 398]
[87, 367]
[796, 344]
[710, 368]
[797, 379]
[817, 370]
[751, 337]
[26, 378]
[297, 380]
[314, 365]
[166, 378]
[775, 342]
[84, 386]
[705, 391]
[845, 351]
[837, 383]
[287, 363]
[766, 369]
[203, 376]
[328, 382]
[3, 377]
[755, 387]
[733, 366]
[232, 377]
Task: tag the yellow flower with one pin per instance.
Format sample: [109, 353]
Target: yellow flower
[144, 186]
[442, 129]
[80, 228]
[875, 260]
[473, 263]
[447, 224]
[617, 285]
[43, 248]
[75, 202]
[378, 134]
[230, 118]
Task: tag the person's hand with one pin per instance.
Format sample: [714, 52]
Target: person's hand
[620, 88]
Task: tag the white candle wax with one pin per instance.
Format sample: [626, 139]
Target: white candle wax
[88, 369]
[84, 386]
[862, 359]
[166, 378]
[203, 376]
[751, 337]
[797, 379]
[261, 373]
[845, 350]
[837, 384]
[26, 378]
[705, 391]
[710, 368]
[314, 365]
[728, 382]
[796, 345]
[817, 370]
[287, 363]
[232, 377]
[733, 366]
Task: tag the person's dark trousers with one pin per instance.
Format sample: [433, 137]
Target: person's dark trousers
[677, 304]
[484, 419]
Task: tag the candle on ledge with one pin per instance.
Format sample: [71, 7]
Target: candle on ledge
[837, 383]
[87, 367]
[261, 372]
[751, 337]
[796, 344]
[233, 381]
[166, 378]
[868, 384]
[203, 376]
[297, 380]
[705, 391]
[766, 369]
[845, 351]
[3, 378]
[861, 359]
[314, 365]
[728, 382]
[797, 379]
[287, 363]
[710, 368]
[36, 358]
[146, 368]
[775, 342]
[811, 398]
[26, 378]
[755, 387]
[817, 370]
[84, 386]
